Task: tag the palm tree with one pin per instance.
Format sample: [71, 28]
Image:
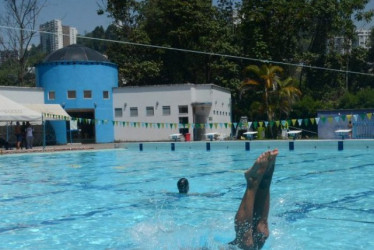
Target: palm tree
[267, 77]
[277, 94]
[287, 94]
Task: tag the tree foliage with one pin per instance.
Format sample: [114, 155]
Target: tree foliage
[20, 17]
[298, 31]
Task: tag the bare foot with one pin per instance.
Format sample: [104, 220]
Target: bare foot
[266, 180]
[255, 173]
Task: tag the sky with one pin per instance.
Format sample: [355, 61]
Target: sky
[80, 14]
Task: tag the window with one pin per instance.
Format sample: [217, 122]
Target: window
[51, 95]
[72, 94]
[118, 112]
[183, 109]
[133, 111]
[105, 94]
[87, 94]
[165, 110]
[150, 111]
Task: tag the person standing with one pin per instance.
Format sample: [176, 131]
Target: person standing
[18, 134]
[23, 129]
[29, 135]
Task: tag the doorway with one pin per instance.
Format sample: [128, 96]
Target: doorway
[85, 129]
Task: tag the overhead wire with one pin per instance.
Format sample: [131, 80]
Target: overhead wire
[201, 52]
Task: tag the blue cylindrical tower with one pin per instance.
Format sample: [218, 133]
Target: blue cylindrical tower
[81, 80]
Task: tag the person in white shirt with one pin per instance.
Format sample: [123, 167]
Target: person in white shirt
[29, 135]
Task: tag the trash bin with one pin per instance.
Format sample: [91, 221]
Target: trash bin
[187, 137]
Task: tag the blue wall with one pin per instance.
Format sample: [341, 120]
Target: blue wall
[79, 76]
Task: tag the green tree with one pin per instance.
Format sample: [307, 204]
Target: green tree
[190, 25]
[265, 78]
[286, 96]
[22, 16]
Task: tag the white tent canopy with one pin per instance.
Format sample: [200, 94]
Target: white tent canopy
[12, 111]
[51, 111]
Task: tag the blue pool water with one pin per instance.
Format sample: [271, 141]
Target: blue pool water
[120, 199]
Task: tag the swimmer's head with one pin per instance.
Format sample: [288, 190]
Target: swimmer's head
[183, 186]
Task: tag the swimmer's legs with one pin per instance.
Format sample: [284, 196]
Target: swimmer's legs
[244, 216]
[262, 204]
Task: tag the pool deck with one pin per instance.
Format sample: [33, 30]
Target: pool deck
[57, 148]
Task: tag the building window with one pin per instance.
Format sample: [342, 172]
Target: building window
[105, 94]
[133, 111]
[72, 94]
[87, 94]
[51, 95]
[166, 110]
[150, 111]
[118, 112]
[183, 109]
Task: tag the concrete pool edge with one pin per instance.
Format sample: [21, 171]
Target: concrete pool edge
[290, 145]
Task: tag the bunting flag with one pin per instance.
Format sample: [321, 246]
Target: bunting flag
[216, 125]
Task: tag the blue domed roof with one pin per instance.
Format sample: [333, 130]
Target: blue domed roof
[77, 53]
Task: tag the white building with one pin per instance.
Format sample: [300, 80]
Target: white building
[343, 46]
[54, 35]
[153, 113]
[363, 39]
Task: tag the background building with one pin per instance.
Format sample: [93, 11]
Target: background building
[341, 45]
[155, 112]
[85, 84]
[81, 81]
[363, 39]
[57, 36]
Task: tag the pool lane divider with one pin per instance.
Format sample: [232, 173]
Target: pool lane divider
[291, 145]
[340, 145]
[247, 146]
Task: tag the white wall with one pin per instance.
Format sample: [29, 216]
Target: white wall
[23, 95]
[168, 95]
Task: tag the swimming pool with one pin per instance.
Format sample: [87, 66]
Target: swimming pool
[126, 199]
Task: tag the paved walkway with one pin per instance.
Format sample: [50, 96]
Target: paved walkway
[55, 148]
